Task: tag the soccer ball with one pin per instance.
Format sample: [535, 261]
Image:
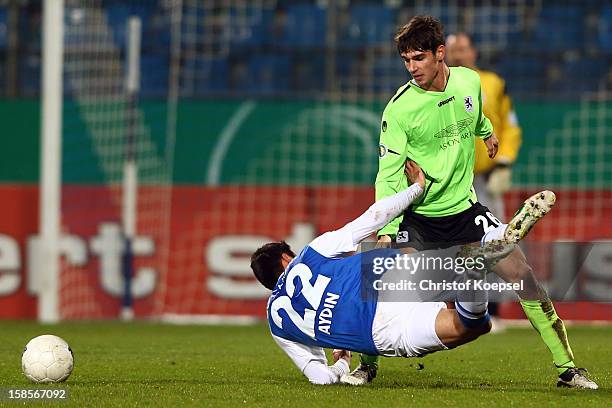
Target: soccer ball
[47, 358]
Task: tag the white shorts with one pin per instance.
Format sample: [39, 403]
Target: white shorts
[406, 329]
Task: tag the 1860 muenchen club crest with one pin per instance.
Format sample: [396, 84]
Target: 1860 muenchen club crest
[468, 103]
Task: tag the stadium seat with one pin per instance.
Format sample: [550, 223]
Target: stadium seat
[308, 73]
[29, 74]
[210, 75]
[496, 26]
[248, 27]
[605, 29]
[154, 74]
[73, 18]
[269, 74]
[559, 28]
[523, 74]
[3, 28]
[155, 34]
[584, 73]
[369, 24]
[449, 15]
[306, 26]
[389, 73]
[197, 16]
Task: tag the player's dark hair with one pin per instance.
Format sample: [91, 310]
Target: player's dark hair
[266, 262]
[422, 33]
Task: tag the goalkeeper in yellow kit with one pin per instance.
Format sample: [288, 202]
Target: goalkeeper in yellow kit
[492, 177]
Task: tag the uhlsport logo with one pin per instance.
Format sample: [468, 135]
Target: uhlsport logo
[384, 126]
[444, 102]
[468, 103]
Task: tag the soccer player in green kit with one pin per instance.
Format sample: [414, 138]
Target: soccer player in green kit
[432, 120]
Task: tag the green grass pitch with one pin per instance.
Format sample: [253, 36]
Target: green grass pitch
[150, 364]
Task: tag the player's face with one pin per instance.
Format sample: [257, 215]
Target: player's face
[459, 51]
[424, 66]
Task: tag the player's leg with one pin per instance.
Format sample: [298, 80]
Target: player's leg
[471, 318]
[453, 332]
[533, 298]
[542, 315]
[403, 329]
[366, 371]
[431, 326]
[424, 233]
[495, 204]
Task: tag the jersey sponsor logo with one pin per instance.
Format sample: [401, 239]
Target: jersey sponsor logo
[384, 126]
[455, 140]
[444, 102]
[468, 104]
[402, 236]
[455, 129]
[382, 150]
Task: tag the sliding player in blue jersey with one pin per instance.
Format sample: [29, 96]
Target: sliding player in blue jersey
[317, 298]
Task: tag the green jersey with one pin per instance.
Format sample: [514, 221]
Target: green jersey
[436, 130]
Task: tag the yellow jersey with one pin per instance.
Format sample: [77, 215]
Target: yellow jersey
[497, 106]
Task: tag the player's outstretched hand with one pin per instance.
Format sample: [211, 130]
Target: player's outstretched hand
[345, 354]
[384, 241]
[414, 173]
[492, 144]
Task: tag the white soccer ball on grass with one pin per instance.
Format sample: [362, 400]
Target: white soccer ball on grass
[47, 358]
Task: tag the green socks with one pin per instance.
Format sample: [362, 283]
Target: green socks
[544, 319]
[371, 361]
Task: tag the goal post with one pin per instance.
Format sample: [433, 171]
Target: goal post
[105, 175]
[130, 168]
[50, 160]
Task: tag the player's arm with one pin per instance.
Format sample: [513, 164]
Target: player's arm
[312, 363]
[392, 156]
[379, 214]
[484, 128]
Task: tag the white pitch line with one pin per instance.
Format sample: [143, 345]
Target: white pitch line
[225, 138]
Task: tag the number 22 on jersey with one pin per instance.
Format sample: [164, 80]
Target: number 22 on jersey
[312, 294]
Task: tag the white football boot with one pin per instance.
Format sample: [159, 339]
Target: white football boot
[576, 378]
[534, 208]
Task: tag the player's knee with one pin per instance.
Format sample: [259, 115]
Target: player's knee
[483, 328]
[486, 328]
[468, 334]
[475, 329]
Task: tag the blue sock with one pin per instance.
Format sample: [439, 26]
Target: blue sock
[472, 314]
